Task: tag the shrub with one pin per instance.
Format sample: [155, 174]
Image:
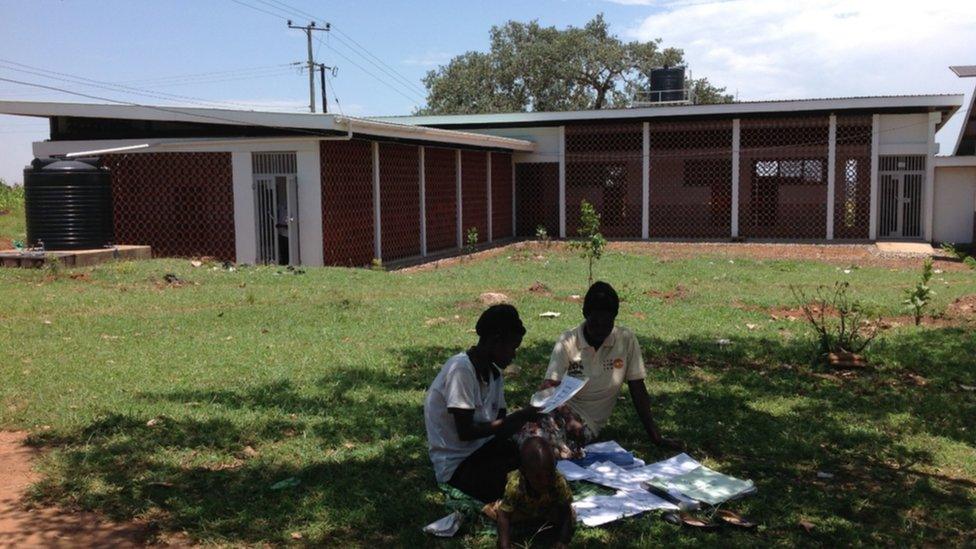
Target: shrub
[591, 242]
[542, 235]
[839, 320]
[919, 296]
[471, 240]
[11, 198]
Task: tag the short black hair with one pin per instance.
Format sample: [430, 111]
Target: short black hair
[601, 297]
[499, 320]
[536, 453]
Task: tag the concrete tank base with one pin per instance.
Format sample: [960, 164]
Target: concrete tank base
[73, 258]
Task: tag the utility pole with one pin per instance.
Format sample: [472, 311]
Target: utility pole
[334, 70]
[311, 60]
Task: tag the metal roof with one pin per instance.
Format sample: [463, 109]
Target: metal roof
[313, 124]
[919, 103]
[964, 71]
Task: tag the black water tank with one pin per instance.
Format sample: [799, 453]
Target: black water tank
[668, 84]
[68, 204]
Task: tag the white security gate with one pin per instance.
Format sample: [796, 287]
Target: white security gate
[901, 193]
[276, 208]
[265, 213]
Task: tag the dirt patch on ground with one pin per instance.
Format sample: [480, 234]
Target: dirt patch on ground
[6, 243]
[962, 308]
[677, 293]
[835, 254]
[50, 527]
[540, 289]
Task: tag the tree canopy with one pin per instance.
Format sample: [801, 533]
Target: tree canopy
[530, 67]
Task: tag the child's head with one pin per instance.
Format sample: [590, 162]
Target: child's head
[500, 332]
[600, 307]
[538, 465]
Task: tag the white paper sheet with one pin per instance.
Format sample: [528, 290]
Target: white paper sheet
[566, 389]
[629, 480]
[597, 510]
[572, 471]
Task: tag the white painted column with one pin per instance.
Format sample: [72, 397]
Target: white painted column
[377, 221]
[310, 206]
[488, 186]
[929, 205]
[514, 219]
[423, 203]
[646, 183]
[831, 174]
[245, 226]
[736, 149]
[875, 144]
[562, 181]
[460, 219]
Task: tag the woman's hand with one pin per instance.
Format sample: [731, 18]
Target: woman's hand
[547, 383]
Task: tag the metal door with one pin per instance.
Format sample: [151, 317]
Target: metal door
[265, 215]
[901, 191]
[293, 243]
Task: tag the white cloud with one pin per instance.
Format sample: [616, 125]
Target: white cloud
[770, 49]
[428, 59]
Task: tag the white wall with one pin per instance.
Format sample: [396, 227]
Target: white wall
[546, 139]
[955, 201]
[904, 134]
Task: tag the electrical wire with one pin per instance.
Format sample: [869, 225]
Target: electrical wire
[73, 79]
[412, 99]
[171, 110]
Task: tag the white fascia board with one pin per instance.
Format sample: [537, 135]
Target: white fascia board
[955, 161]
[947, 101]
[45, 149]
[284, 121]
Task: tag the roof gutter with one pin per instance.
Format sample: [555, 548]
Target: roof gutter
[424, 133]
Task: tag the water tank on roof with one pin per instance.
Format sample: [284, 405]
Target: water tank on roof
[68, 204]
[668, 84]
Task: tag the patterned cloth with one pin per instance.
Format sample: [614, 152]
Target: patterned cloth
[553, 428]
[522, 504]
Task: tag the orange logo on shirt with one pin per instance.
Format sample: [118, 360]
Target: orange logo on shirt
[618, 363]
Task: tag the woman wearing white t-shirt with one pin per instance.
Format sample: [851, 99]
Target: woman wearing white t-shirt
[468, 430]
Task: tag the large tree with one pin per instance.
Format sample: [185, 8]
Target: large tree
[534, 68]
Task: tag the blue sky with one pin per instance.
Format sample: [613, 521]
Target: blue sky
[759, 49]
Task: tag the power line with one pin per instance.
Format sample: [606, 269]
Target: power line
[412, 99]
[209, 74]
[396, 77]
[170, 110]
[73, 79]
[391, 71]
[246, 5]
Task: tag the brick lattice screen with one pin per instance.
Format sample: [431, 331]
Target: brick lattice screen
[400, 200]
[440, 178]
[474, 194]
[501, 195]
[347, 202]
[180, 204]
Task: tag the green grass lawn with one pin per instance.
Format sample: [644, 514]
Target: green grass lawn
[183, 404]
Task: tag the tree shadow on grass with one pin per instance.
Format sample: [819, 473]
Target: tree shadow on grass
[354, 442]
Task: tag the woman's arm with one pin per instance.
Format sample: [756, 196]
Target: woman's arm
[566, 526]
[469, 429]
[504, 530]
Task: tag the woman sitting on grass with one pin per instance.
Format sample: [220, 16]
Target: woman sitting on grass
[469, 435]
[607, 355]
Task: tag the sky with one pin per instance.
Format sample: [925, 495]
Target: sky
[236, 53]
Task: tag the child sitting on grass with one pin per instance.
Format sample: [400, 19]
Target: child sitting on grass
[535, 493]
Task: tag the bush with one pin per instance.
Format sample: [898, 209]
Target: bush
[591, 242]
[839, 320]
[918, 297]
[11, 198]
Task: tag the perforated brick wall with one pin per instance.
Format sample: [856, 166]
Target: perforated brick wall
[180, 204]
[440, 179]
[501, 195]
[347, 202]
[474, 194]
[400, 200]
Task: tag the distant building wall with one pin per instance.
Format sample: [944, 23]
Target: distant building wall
[955, 204]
